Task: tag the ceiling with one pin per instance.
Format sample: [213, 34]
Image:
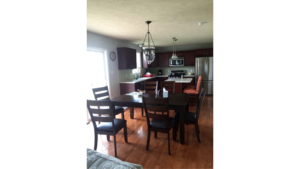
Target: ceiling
[125, 20]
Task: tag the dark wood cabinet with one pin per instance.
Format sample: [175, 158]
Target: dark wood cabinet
[163, 60]
[126, 58]
[132, 87]
[204, 52]
[189, 58]
[153, 64]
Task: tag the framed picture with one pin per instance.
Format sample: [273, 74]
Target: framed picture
[112, 56]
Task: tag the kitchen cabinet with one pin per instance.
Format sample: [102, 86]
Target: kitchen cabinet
[153, 64]
[189, 58]
[163, 60]
[126, 58]
[204, 52]
[184, 85]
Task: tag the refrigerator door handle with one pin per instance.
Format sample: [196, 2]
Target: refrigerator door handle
[205, 69]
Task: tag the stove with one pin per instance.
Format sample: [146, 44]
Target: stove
[176, 73]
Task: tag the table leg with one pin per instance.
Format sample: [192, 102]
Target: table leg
[131, 112]
[187, 107]
[181, 121]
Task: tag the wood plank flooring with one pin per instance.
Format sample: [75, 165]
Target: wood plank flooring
[190, 155]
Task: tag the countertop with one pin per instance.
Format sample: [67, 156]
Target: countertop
[179, 80]
[147, 78]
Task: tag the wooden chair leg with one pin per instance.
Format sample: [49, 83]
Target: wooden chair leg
[125, 133]
[169, 143]
[197, 132]
[148, 140]
[96, 141]
[155, 134]
[107, 137]
[115, 145]
[175, 131]
[142, 112]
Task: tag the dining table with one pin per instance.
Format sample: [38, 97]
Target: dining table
[177, 102]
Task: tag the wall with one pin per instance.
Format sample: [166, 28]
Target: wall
[110, 44]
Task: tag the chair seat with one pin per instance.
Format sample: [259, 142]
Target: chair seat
[188, 116]
[162, 124]
[190, 89]
[107, 126]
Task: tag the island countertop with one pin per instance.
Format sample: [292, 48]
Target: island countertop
[179, 80]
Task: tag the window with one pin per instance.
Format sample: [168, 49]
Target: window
[138, 64]
[95, 69]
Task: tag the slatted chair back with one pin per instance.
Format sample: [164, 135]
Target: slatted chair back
[169, 86]
[93, 107]
[150, 86]
[156, 105]
[200, 102]
[101, 93]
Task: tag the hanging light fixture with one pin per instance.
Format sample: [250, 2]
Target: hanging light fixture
[148, 51]
[174, 56]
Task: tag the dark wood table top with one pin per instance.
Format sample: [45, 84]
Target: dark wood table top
[176, 99]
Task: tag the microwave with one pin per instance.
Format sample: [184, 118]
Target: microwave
[176, 62]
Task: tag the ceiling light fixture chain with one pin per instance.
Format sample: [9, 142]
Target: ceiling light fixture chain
[148, 51]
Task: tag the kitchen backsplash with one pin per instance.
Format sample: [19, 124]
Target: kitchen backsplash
[167, 70]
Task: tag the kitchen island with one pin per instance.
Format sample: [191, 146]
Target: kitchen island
[179, 83]
[134, 84]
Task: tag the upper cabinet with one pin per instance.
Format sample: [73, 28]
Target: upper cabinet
[163, 60]
[126, 58]
[204, 52]
[153, 64]
[189, 58]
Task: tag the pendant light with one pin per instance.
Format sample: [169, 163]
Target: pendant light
[148, 51]
[174, 56]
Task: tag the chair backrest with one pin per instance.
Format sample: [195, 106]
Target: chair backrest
[169, 86]
[156, 105]
[198, 84]
[200, 102]
[94, 108]
[150, 86]
[101, 93]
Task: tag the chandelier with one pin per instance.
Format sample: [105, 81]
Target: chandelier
[148, 51]
[174, 56]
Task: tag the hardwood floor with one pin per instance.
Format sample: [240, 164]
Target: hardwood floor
[190, 155]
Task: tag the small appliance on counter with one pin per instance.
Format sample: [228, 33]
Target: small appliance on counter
[176, 73]
[159, 72]
[147, 75]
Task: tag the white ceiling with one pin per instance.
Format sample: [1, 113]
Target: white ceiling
[125, 20]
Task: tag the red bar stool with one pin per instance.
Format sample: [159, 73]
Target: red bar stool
[194, 93]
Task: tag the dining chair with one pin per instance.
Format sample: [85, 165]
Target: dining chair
[102, 93]
[193, 91]
[192, 118]
[160, 122]
[108, 124]
[169, 86]
[150, 87]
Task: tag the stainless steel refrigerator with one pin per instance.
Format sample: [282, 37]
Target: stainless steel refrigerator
[204, 67]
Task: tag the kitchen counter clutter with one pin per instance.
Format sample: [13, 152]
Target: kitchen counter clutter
[147, 78]
[179, 80]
